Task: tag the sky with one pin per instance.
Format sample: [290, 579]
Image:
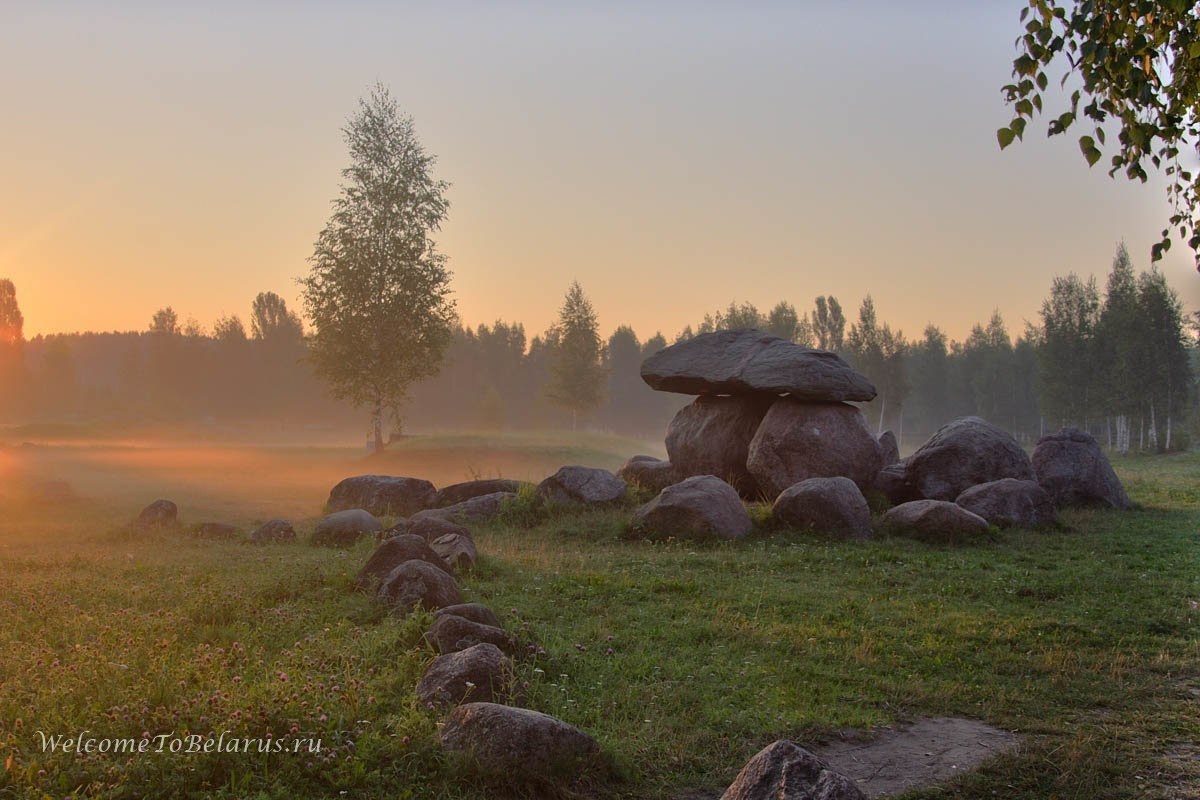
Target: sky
[671, 157]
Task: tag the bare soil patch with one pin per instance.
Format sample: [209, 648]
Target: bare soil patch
[894, 759]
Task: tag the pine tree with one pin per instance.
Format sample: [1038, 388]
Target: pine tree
[1165, 378]
[929, 366]
[577, 376]
[880, 354]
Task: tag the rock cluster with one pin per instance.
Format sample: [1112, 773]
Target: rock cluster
[772, 421]
[769, 413]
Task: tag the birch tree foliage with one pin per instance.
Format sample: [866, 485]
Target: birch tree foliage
[1137, 66]
[378, 290]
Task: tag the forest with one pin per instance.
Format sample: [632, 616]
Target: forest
[1119, 361]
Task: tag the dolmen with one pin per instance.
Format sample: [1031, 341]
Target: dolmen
[768, 413]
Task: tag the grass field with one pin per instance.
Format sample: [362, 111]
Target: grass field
[682, 659]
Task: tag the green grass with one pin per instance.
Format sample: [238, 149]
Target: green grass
[682, 659]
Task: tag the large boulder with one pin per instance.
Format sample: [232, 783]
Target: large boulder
[962, 454]
[273, 530]
[829, 505]
[461, 492]
[517, 742]
[159, 514]
[382, 495]
[648, 472]
[582, 485]
[418, 583]
[701, 507]
[712, 436]
[786, 771]
[391, 554]
[478, 674]
[345, 528]
[1074, 471]
[749, 361]
[477, 509]
[797, 441]
[451, 633]
[456, 549]
[1009, 503]
[934, 521]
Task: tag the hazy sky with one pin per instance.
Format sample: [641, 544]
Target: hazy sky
[670, 156]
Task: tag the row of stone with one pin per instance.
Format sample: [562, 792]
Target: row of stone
[162, 514]
[474, 661]
[705, 506]
[385, 495]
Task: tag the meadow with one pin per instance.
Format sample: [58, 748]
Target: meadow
[682, 659]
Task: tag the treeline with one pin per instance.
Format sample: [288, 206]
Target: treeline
[1121, 364]
[169, 373]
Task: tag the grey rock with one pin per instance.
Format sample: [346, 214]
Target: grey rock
[456, 549]
[962, 454]
[889, 448]
[418, 584]
[700, 507]
[274, 530]
[391, 554]
[747, 361]
[451, 633]
[159, 514]
[477, 509]
[582, 485]
[460, 492]
[934, 521]
[1074, 471]
[648, 472]
[1010, 503]
[712, 436]
[797, 441]
[785, 771]
[345, 528]
[892, 482]
[476, 612]
[428, 527]
[829, 505]
[382, 495]
[480, 673]
[517, 742]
